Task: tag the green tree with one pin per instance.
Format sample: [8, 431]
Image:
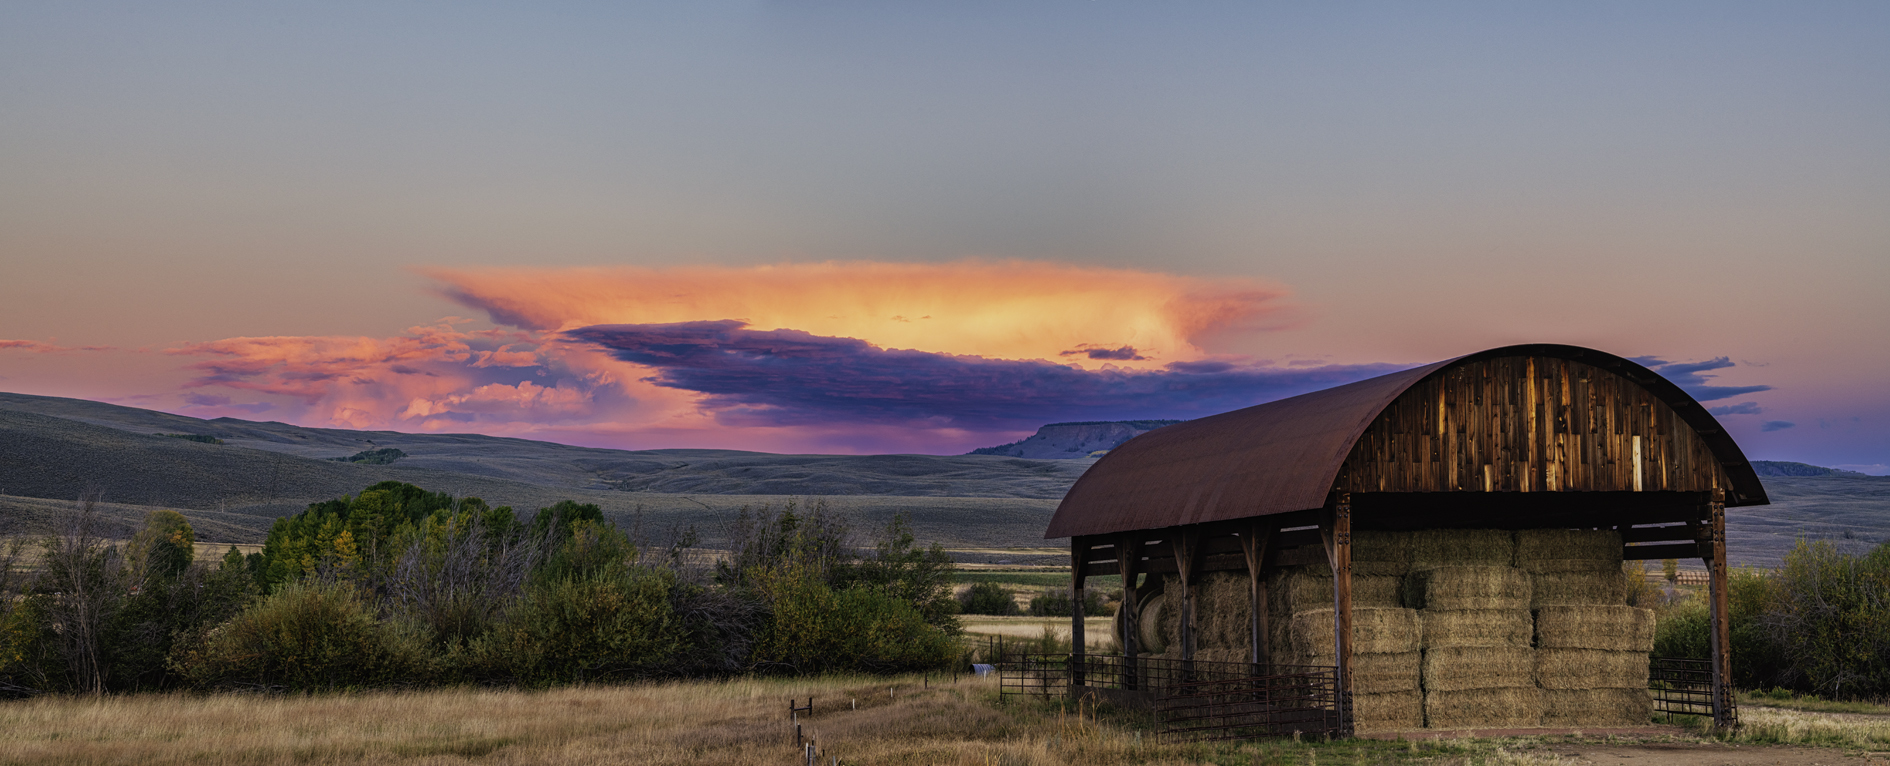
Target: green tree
[163, 548]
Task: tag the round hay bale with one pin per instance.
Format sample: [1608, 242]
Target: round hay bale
[1549, 550]
[1431, 548]
[1604, 586]
[1387, 711]
[1469, 587]
[1590, 669]
[1483, 708]
[1374, 631]
[1459, 668]
[1150, 624]
[1610, 628]
[1596, 707]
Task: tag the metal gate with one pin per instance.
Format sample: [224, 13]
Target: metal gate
[1681, 686]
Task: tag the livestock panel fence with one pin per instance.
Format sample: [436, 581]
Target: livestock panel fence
[1193, 699]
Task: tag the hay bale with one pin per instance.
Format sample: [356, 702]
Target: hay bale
[1431, 548]
[1540, 566]
[1468, 587]
[1307, 589]
[1222, 606]
[1441, 628]
[1610, 628]
[1387, 711]
[1550, 550]
[1590, 669]
[1603, 586]
[1596, 707]
[1371, 673]
[1376, 553]
[1386, 673]
[1459, 668]
[1374, 631]
[1483, 708]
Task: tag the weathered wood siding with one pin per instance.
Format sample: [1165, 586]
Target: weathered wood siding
[1528, 424]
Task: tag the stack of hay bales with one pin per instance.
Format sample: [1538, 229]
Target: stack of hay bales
[1385, 634]
[1479, 669]
[1591, 649]
[1452, 628]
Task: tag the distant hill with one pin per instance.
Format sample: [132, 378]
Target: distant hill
[53, 449]
[241, 475]
[1781, 468]
[1075, 441]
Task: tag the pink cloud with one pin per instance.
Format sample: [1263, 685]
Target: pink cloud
[36, 347]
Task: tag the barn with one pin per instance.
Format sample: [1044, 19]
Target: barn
[1444, 543]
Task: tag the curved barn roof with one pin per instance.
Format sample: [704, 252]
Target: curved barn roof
[1284, 456]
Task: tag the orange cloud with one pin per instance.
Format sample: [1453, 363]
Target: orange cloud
[995, 309]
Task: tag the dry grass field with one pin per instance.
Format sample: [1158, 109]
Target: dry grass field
[856, 720]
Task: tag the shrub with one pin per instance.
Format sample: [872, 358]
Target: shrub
[1056, 603]
[607, 625]
[988, 598]
[30, 662]
[1831, 616]
[919, 576]
[814, 628]
[306, 636]
[1758, 660]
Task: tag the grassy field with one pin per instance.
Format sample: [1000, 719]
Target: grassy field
[1097, 631]
[856, 720]
[1033, 580]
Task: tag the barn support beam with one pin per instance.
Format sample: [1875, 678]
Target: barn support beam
[1725, 710]
[1253, 543]
[1128, 555]
[1187, 546]
[1079, 555]
[1337, 533]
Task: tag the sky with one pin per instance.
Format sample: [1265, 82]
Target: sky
[906, 227]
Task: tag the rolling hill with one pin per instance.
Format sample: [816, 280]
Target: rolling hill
[52, 450]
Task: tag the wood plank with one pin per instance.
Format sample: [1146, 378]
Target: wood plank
[1669, 551]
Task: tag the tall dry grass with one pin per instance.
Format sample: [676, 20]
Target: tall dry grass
[742, 721]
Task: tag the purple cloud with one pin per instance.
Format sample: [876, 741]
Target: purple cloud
[1687, 375]
[1125, 353]
[1776, 425]
[790, 377]
[1742, 408]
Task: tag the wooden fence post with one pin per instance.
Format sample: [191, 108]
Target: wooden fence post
[1725, 708]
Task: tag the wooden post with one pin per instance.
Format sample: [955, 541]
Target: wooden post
[1337, 534]
[1187, 544]
[1725, 709]
[1128, 555]
[1253, 543]
[1079, 560]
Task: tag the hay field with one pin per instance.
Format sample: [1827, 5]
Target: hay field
[1098, 632]
[741, 721]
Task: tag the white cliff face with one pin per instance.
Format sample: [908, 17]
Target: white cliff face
[1071, 441]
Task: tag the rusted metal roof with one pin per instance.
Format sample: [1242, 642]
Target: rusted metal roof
[1284, 456]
